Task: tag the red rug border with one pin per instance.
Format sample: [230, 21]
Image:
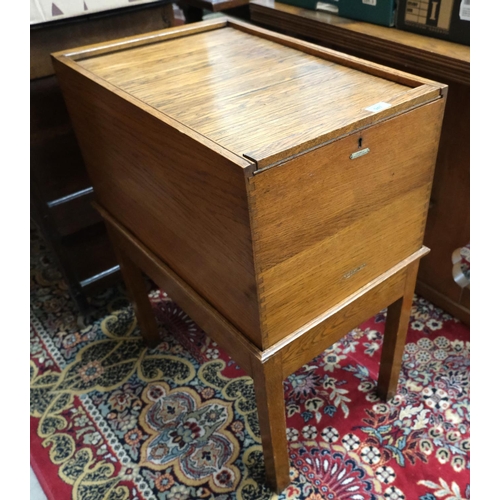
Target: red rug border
[45, 471]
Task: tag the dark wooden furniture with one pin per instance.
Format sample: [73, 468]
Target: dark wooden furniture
[193, 9]
[448, 225]
[61, 191]
[255, 179]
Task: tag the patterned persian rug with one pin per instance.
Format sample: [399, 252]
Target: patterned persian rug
[113, 420]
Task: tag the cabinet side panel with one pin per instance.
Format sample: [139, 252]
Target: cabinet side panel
[184, 201]
[325, 225]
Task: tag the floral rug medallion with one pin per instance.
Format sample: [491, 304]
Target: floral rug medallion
[114, 420]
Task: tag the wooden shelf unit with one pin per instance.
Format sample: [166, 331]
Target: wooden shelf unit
[61, 192]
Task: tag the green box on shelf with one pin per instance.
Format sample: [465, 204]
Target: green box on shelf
[381, 12]
[371, 11]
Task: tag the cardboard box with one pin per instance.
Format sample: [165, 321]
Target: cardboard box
[445, 19]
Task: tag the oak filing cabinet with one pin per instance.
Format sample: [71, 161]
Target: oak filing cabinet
[277, 190]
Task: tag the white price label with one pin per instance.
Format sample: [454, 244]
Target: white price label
[380, 106]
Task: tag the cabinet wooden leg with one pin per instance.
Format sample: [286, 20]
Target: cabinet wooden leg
[396, 327]
[268, 383]
[138, 294]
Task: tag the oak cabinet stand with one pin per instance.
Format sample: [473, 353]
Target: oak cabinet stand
[276, 190]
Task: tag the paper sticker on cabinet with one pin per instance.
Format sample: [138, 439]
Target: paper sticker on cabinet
[380, 106]
[369, 2]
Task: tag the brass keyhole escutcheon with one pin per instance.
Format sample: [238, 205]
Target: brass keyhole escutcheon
[360, 152]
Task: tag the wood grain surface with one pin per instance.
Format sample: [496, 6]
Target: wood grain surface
[136, 289]
[324, 331]
[241, 91]
[324, 225]
[396, 327]
[238, 87]
[55, 36]
[182, 199]
[199, 310]
[269, 393]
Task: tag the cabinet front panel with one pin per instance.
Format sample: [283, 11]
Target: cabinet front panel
[325, 225]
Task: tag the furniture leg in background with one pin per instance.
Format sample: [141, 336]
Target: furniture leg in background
[138, 294]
